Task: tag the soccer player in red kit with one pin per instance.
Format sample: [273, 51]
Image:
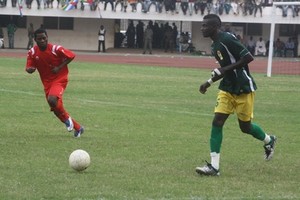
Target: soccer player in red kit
[51, 62]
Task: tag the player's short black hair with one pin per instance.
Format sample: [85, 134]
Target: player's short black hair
[40, 30]
[214, 19]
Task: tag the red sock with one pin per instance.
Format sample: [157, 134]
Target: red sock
[76, 125]
[60, 111]
[63, 115]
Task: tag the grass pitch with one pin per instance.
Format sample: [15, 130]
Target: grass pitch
[147, 128]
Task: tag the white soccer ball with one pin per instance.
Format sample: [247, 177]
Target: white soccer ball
[79, 160]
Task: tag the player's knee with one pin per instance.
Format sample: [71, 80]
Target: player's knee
[245, 129]
[52, 101]
[218, 123]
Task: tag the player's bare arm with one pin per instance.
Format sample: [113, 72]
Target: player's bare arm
[239, 64]
[65, 63]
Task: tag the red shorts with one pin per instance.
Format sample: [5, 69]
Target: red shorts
[55, 89]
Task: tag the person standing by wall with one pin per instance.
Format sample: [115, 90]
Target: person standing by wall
[52, 61]
[251, 45]
[148, 39]
[30, 31]
[101, 39]
[1, 38]
[11, 29]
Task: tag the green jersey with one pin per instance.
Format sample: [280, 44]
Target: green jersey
[227, 50]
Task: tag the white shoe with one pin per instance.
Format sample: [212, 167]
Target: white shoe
[69, 124]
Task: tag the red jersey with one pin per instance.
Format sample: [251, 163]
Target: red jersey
[44, 61]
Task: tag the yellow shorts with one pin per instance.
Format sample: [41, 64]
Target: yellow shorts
[242, 105]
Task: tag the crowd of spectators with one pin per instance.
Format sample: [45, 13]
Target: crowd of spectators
[153, 35]
[187, 7]
[288, 48]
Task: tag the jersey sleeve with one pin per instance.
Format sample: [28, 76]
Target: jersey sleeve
[63, 52]
[236, 47]
[30, 59]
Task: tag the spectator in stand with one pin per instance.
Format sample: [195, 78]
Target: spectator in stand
[267, 2]
[260, 47]
[30, 34]
[111, 2]
[133, 4]
[278, 48]
[101, 39]
[251, 45]
[130, 33]
[49, 3]
[197, 6]
[285, 9]
[203, 6]
[289, 46]
[140, 34]
[41, 2]
[191, 6]
[11, 29]
[215, 8]
[235, 7]
[170, 6]
[227, 6]
[123, 3]
[159, 5]
[297, 9]
[3, 3]
[173, 6]
[148, 39]
[14, 3]
[177, 6]
[248, 7]
[146, 4]
[28, 4]
[221, 7]
[257, 6]
[184, 6]
[209, 5]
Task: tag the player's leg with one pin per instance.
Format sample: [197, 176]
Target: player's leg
[244, 112]
[222, 111]
[55, 100]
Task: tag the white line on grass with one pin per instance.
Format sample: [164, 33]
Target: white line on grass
[19, 92]
[142, 107]
[84, 101]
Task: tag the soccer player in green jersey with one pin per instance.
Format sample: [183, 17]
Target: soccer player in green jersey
[236, 93]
